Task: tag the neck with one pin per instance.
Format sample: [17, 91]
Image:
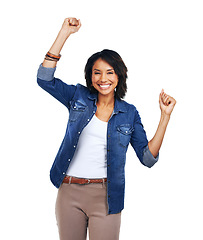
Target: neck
[105, 100]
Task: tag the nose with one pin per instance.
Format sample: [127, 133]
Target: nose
[103, 78]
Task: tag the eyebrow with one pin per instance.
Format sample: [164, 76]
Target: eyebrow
[111, 69]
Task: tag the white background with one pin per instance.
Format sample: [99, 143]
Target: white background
[161, 43]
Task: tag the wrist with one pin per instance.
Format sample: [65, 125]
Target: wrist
[64, 34]
[165, 117]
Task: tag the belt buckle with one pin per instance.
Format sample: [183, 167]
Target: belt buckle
[88, 181]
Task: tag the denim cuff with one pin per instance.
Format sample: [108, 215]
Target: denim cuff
[46, 74]
[148, 159]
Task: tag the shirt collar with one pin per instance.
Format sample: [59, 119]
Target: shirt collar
[92, 96]
[119, 104]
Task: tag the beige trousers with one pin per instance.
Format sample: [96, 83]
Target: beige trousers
[82, 207]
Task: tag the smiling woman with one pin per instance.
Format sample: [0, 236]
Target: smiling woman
[100, 128]
[104, 78]
[109, 66]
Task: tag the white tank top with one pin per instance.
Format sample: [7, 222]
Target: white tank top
[90, 160]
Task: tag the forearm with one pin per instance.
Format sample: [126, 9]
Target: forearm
[56, 48]
[156, 142]
[70, 26]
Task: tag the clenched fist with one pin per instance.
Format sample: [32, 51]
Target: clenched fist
[166, 102]
[71, 25]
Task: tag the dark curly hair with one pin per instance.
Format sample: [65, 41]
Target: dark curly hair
[114, 60]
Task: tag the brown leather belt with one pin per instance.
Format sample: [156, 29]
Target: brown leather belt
[69, 180]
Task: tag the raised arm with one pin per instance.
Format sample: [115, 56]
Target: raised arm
[167, 103]
[70, 26]
[45, 76]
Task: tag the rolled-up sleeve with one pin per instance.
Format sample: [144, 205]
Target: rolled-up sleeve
[148, 159]
[46, 74]
[54, 86]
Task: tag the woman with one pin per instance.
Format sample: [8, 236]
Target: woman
[89, 166]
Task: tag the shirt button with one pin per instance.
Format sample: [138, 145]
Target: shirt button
[74, 106]
[74, 146]
[69, 159]
[78, 132]
[64, 173]
[108, 196]
[88, 119]
[94, 112]
[126, 131]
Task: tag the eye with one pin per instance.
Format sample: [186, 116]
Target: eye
[110, 73]
[96, 73]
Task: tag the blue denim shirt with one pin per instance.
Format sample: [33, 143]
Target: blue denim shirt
[124, 127]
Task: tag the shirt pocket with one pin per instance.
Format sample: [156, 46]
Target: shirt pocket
[124, 134]
[76, 109]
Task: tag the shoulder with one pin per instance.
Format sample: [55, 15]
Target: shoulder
[128, 106]
[83, 91]
[82, 87]
[130, 110]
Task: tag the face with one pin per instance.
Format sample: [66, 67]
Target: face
[104, 78]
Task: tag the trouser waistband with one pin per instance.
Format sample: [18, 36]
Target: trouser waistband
[69, 180]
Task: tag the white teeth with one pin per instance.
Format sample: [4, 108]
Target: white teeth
[104, 86]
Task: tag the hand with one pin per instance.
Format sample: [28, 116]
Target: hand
[70, 25]
[166, 103]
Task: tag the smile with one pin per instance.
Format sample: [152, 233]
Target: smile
[104, 86]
